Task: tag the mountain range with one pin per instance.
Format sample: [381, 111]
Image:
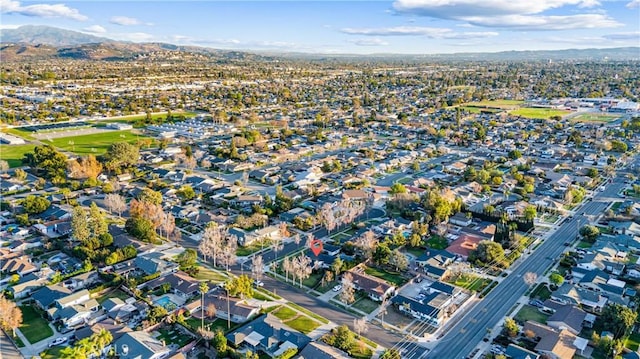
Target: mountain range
[31, 42]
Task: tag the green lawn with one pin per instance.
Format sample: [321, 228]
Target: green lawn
[584, 244]
[285, 313]
[366, 305]
[494, 104]
[51, 353]
[303, 324]
[306, 311]
[206, 273]
[470, 282]
[541, 292]
[96, 143]
[19, 132]
[633, 342]
[394, 278]
[18, 341]
[252, 248]
[437, 242]
[113, 294]
[195, 323]
[544, 113]
[34, 327]
[14, 154]
[595, 117]
[171, 336]
[313, 280]
[417, 252]
[529, 312]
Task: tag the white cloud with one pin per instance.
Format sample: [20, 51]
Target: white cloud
[127, 21]
[526, 22]
[7, 26]
[431, 32]
[633, 4]
[369, 42]
[623, 36]
[134, 36]
[41, 10]
[96, 29]
[523, 14]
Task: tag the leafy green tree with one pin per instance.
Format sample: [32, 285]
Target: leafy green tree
[47, 160]
[240, 286]
[590, 232]
[487, 252]
[150, 196]
[35, 204]
[618, 319]
[121, 155]
[382, 253]
[397, 188]
[97, 221]
[140, 228]
[556, 279]
[187, 259]
[186, 192]
[530, 213]
[510, 328]
[220, 342]
[80, 224]
[340, 337]
[391, 354]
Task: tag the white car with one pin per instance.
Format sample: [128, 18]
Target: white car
[57, 341]
[258, 283]
[337, 288]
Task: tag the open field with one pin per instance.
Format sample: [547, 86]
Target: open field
[544, 113]
[18, 131]
[97, 143]
[595, 117]
[501, 104]
[14, 153]
[470, 282]
[133, 118]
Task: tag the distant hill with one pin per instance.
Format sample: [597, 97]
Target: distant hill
[47, 35]
[30, 42]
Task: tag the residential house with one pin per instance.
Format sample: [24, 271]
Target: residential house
[46, 296]
[568, 317]
[435, 262]
[238, 309]
[460, 219]
[18, 265]
[517, 352]
[153, 262]
[268, 334]
[556, 344]
[140, 345]
[377, 289]
[26, 285]
[320, 350]
[245, 238]
[181, 284]
[589, 300]
[422, 310]
[464, 245]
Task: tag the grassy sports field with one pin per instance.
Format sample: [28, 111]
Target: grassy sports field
[13, 153]
[96, 143]
[544, 113]
[595, 117]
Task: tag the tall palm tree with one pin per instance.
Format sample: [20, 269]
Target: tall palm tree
[204, 288]
[103, 338]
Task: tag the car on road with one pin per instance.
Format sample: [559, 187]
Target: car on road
[337, 288]
[58, 341]
[258, 283]
[567, 244]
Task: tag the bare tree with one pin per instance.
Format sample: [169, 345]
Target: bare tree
[228, 254]
[282, 228]
[297, 239]
[211, 310]
[168, 224]
[360, 325]
[326, 278]
[277, 246]
[115, 203]
[328, 217]
[302, 268]
[286, 267]
[10, 314]
[212, 242]
[367, 243]
[347, 294]
[257, 267]
[530, 278]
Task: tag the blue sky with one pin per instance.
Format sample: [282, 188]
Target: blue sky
[363, 27]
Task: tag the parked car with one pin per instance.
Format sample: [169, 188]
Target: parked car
[58, 341]
[258, 283]
[536, 303]
[337, 288]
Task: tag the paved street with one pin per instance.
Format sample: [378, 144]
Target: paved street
[7, 349]
[462, 338]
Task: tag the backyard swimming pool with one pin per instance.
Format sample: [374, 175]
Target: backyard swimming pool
[166, 302]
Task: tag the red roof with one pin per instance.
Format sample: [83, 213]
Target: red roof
[464, 245]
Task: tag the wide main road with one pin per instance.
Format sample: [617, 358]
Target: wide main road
[463, 337]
